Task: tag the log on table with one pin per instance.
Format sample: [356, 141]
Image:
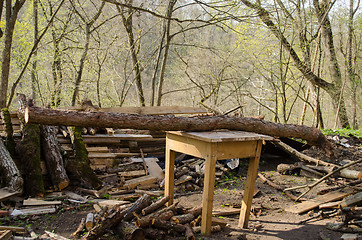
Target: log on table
[199, 123]
[9, 170]
[53, 157]
[129, 231]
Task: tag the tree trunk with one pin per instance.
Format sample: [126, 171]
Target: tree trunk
[53, 158]
[171, 5]
[127, 22]
[11, 16]
[9, 139]
[199, 123]
[30, 156]
[333, 88]
[9, 171]
[29, 151]
[79, 166]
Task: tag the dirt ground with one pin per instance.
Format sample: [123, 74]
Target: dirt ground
[273, 222]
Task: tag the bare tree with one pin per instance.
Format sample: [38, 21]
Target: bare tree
[11, 15]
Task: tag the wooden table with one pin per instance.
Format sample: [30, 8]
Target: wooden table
[213, 146]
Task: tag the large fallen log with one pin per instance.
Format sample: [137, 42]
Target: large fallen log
[198, 123]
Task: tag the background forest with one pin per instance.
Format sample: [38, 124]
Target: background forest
[294, 61]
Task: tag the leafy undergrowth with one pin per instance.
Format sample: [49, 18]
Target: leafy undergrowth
[344, 132]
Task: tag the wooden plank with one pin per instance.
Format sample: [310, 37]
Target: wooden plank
[35, 210]
[313, 203]
[136, 173]
[5, 235]
[156, 110]
[5, 194]
[97, 149]
[112, 203]
[222, 136]
[39, 202]
[125, 197]
[13, 229]
[101, 155]
[133, 183]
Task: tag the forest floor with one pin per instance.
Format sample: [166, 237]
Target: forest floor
[271, 222]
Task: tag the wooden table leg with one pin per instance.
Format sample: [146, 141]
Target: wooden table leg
[169, 174]
[249, 187]
[208, 194]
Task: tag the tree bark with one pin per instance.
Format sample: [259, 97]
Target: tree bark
[30, 157]
[9, 140]
[156, 205]
[127, 19]
[53, 157]
[79, 166]
[9, 171]
[137, 207]
[29, 151]
[166, 225]
[199, 123]
[129, 231]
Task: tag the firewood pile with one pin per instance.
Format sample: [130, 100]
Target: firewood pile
[127, 196]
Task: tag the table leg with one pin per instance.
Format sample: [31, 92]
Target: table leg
[169, 174]
[249, 187]
[208, 194]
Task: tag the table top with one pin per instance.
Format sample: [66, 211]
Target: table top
[222, 136]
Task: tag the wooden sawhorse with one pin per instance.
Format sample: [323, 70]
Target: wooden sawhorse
[213, 146]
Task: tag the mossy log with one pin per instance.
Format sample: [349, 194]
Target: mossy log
[9, 139]
[53, 158]
[10, 174]
[29, 151]
[30, 156]
[80, 165]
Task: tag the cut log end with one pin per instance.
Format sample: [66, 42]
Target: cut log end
[26, 115]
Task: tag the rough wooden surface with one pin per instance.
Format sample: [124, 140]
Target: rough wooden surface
[53, 157]
[199, 123]
[10, 171]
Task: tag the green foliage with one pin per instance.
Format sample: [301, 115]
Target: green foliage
[345, 132]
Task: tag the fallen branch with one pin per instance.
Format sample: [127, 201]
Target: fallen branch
[346, 173]
[322, 179]
[270, 183]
